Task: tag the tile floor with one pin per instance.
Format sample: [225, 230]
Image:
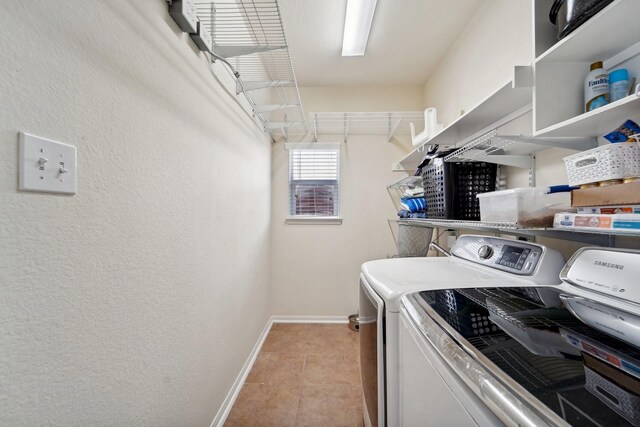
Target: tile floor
[305, 375]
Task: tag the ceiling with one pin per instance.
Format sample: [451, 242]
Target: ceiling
[408, 39]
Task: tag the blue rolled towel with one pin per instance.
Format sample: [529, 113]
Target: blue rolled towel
[414, 204]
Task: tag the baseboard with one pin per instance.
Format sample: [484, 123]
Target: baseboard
[309, 319]
[223, 413]
[224, 410]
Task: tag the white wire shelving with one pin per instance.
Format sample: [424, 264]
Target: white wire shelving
[593, 237]
[410, 186]
[345, 124]
[513, 150]
[250, 35]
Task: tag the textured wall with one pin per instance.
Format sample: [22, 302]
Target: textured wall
[136, 301]
[315, 268]
[496, 38]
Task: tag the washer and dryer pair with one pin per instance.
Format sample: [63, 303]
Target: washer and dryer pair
[501, 334]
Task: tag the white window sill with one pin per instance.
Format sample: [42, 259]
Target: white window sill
[313, 220]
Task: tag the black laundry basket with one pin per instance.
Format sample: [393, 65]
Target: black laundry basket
[450, 188]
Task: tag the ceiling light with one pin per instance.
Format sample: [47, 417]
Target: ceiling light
[357, 25]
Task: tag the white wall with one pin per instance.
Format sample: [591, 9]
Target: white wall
[137, 300]
[315, 268]
[481, 60]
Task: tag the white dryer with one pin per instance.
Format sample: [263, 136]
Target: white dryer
[518, 355]
[475, 261]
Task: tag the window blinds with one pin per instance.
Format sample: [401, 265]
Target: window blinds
[314, 182]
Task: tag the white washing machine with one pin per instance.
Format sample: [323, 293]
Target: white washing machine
[475, 261]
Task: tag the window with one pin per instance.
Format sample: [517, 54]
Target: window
[314, 172]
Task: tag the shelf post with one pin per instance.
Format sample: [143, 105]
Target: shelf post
[346, 127]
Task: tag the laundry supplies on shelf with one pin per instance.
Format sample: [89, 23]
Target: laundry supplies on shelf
[596, 87]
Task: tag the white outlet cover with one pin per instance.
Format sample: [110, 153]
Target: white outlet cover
[45, 175]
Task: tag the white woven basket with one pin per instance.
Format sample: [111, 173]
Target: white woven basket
[612, 161]
[631, 159]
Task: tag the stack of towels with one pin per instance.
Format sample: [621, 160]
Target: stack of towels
[413, 204]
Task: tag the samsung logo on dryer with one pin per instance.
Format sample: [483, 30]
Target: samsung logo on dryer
[609, 265]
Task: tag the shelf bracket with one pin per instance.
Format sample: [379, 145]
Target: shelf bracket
[267, 108]
[532, 172]
[261, 84]
[346, 127]
[232, 51]
[315, 128]
[392, 129]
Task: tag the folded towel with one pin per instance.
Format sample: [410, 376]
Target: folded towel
[414, 192]
[414, 204]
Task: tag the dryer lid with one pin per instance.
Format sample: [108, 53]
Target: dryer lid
[613, 272]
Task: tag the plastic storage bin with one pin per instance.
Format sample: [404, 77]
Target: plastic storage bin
[612, 161]
[526, 207]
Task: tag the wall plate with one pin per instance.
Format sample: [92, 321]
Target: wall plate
[46, 165]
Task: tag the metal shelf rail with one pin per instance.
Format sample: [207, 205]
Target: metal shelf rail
[249, 34]
[592, 237]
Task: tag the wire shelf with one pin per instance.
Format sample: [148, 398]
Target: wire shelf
[410, 186]
[359, 123]
[250, 35]
[407, 182]
[512, 150]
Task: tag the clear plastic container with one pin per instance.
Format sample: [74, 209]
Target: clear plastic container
[526, 207]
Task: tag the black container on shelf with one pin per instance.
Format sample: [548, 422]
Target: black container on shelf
[450, 189]
[567, 15]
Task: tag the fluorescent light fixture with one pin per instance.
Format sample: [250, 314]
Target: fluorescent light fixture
[357, 25]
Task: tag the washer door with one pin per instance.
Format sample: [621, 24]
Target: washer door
[372, 354]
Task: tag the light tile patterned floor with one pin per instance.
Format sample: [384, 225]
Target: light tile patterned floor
[305, 375]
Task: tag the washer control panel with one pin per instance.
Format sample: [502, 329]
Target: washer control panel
[513, 256]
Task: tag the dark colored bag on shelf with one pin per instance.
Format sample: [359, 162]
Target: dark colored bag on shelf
[567, 15]
[450, 189]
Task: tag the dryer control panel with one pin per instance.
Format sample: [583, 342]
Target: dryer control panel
[512, 256]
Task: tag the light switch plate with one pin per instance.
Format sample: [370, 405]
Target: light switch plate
[46, 165]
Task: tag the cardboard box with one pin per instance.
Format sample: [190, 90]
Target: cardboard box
[620, 194]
